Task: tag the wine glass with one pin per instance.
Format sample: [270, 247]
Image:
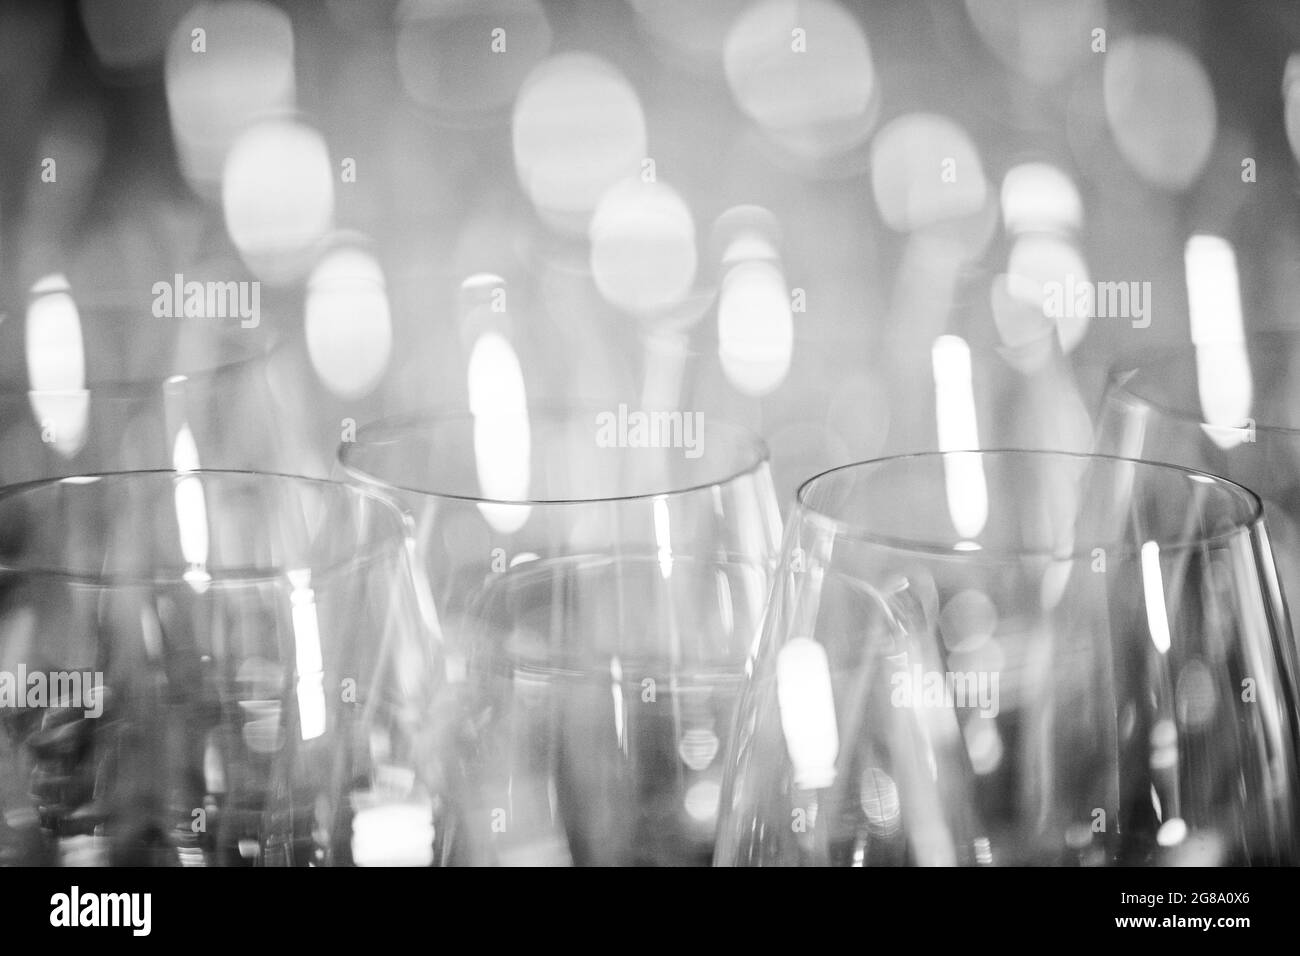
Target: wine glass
[212, 668]
[598, 590]
[1018, 658]
[1230, 408]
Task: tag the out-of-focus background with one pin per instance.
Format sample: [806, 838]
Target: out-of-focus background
[761, 210]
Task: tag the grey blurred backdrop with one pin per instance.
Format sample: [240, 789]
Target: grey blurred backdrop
[764, 211]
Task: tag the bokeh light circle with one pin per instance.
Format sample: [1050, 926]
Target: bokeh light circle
[925, 169]
[643, 255]
[1160, 109]
[802, 70]
[277, 192]
[348, 326]
[577, 129]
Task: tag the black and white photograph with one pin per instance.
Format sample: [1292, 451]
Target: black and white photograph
[650, 434]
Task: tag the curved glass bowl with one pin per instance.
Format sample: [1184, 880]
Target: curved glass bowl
[1018, 658]
[1230, 410]
[212, 668]
[600, 589]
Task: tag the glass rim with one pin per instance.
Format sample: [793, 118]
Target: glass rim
[218, 577]
[855, 531]
[414, 423]
[248, 350]
[1120, 385]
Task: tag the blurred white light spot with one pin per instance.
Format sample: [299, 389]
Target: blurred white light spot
[747, 232]
[701, 800]
[495, 380]
[726, 607]
[56, 366]
[983, 745]
[1223, 378]
[1214, 294]
[245, 73]
[309, 663]
[807, 705]
[277, 192]
[55, 351]
[968, 503]
[1172, 832]
[214, 761]
[191, 511]
[348, 327]
[185, 451]
[1160, 108]
[967, 621]
[878, 797]
[1078, 835]
[192, 528]
[1153, 589]
[393, 834]
[1291, 95]
[87, 850]
[698, 747]
[262, 730]
[925, 169]
[502, 450]
[1164, 733]
[616, 693]
[643, 255]
[816, 101]
[1039, 197]
[578, 128]
[663, 537]
[755, 327]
